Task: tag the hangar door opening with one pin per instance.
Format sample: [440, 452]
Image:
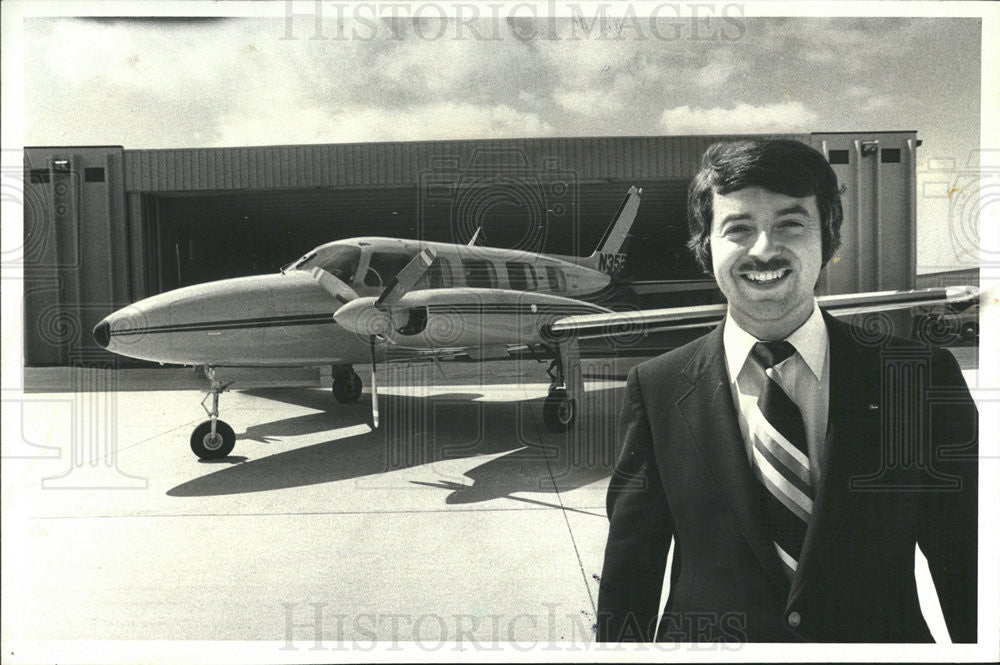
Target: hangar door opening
[205, 236]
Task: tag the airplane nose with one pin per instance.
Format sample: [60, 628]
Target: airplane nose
[102, 334]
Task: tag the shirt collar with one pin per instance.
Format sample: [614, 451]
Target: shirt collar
[810, 341]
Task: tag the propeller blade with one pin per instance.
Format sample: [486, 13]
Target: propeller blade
[407, 278]
[336, 288]
[371, 346]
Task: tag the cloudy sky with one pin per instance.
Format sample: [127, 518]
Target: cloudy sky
[156, 83]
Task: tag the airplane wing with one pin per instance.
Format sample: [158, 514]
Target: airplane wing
[591, 326]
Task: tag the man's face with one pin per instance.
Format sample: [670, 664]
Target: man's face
[767, 253]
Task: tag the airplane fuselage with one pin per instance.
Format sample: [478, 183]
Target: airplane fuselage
[494, 296]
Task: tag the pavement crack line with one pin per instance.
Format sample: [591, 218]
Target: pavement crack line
[569, 527]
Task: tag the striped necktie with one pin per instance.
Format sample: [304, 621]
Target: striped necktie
[781, 458]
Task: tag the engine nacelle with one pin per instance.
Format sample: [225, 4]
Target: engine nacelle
[463, 317]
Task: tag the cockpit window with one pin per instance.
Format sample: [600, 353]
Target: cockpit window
[298, 264]
[342, 262]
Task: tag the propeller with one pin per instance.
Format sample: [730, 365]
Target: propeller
[371, 347]
[372, 317]
[336, 288]
[406, 279]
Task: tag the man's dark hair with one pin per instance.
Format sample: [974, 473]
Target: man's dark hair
[782, 166]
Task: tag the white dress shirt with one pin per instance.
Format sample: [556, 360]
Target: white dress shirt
[805, 377]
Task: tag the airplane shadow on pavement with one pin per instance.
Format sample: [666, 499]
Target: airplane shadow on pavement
[332, 414]
[417, 431]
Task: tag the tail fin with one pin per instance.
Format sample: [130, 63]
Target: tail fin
[614, 238]
[609, 257]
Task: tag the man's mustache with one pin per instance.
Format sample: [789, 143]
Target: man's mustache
[764, 266]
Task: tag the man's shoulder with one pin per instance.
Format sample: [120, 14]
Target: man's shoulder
[876, 334]
[871, 341]
[674, 361]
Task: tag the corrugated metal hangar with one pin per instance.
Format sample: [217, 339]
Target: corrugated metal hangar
[105, 226]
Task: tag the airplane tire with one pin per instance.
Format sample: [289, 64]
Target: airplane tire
[970, 331]
[205, 446]
[347, 387]
[559, 411]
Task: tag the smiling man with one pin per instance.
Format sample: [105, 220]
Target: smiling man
[793, 500]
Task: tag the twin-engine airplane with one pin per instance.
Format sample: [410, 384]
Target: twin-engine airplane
[348, 301]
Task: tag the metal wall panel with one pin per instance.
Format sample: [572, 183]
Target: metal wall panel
[395, 164]
[878, 235]
[75, 250]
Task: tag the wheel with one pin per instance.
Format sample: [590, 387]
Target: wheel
[970, 331]
[559, 410]
[347, 387]
[206, 446]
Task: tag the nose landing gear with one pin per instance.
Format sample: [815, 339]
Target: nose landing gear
[213, 439]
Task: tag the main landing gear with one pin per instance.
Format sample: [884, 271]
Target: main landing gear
[213, 439]
[559, 410]
[346, 384]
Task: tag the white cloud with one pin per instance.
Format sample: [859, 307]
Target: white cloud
[855, 91]
[877, 103]
[742, 118]
[436, 121]
[591, 103]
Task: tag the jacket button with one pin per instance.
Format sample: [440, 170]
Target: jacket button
[794, 619]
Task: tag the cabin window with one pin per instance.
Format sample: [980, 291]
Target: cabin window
[521, 276]
[438, 275]
[557, 280]
[479, 273]
[383, 266]
[532, 277]
[342, 262]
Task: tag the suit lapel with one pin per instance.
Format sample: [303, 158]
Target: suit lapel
[848, 404]
[710, 416]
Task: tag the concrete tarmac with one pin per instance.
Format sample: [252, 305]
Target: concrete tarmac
[461, 519]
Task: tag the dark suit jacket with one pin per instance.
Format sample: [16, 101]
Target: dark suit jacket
[900, 468]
